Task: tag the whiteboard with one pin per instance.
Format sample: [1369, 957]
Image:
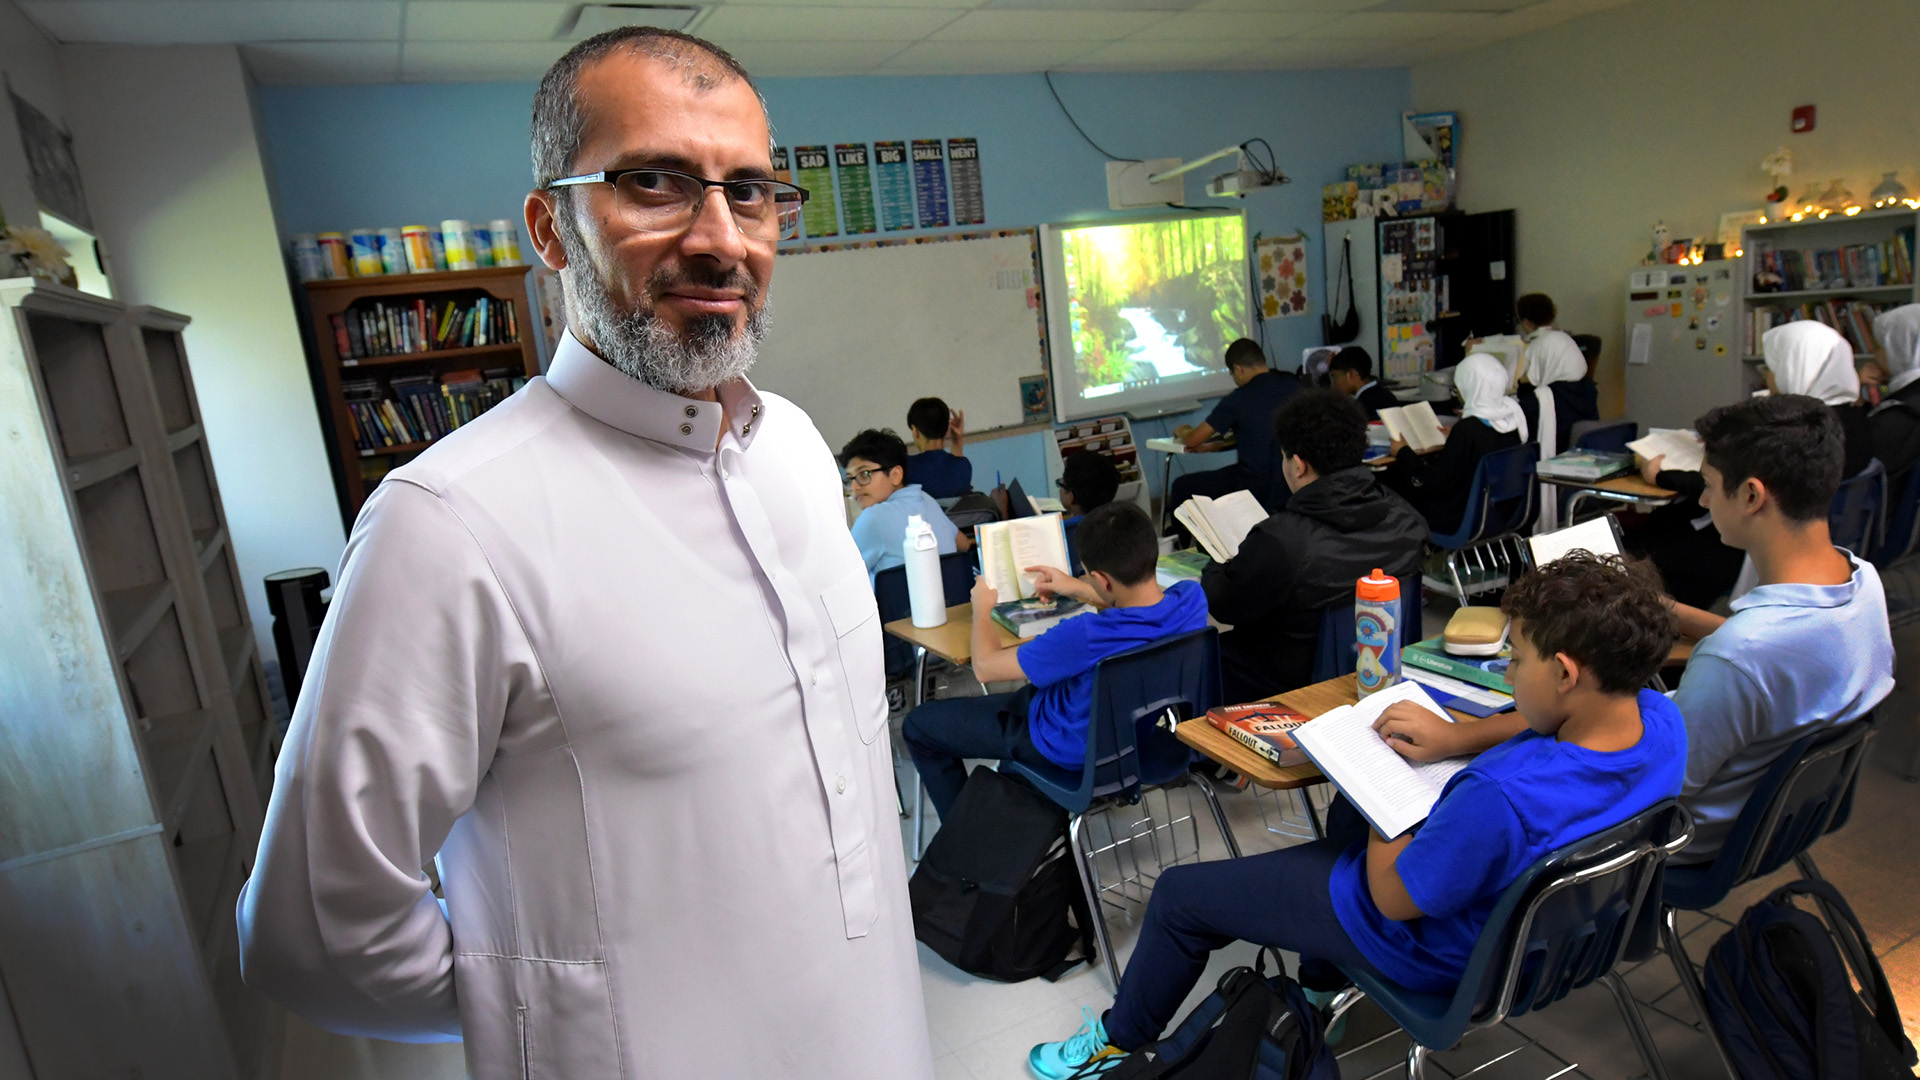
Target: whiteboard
[860, 331]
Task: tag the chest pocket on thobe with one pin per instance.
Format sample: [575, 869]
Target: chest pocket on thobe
[856, 625]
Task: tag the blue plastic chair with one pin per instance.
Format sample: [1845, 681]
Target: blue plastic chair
[1338, 654]
[1903, 523]
[1856, 517]
[1564, 923]
[1609, 437]
[1128, 752]
[1805, 794]
[1499, 507]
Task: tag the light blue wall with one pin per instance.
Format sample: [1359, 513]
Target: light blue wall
[348, 156]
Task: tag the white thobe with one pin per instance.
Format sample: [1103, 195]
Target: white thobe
[627, 689]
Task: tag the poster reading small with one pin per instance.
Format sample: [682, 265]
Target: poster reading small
[930, 183]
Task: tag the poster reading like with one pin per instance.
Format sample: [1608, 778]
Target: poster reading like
[969, 204]
[856, 188]
[893, 184]
[814, 171]
[930, 183]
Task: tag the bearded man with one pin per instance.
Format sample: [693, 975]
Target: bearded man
[609, 655]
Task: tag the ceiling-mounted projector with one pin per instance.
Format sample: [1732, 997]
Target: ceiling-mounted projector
[1233, 184]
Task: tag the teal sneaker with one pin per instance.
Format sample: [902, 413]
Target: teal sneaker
[1323, 1001]
[1086, 1053]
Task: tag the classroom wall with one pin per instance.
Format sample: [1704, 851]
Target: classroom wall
[29, 67]
[349, 156]
[1594, 129]
[179, 195]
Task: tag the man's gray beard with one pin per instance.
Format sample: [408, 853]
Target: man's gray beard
[638, 342]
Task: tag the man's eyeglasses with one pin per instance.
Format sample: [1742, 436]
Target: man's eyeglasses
[666, 201]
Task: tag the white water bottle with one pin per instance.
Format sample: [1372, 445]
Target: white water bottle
[924, 592]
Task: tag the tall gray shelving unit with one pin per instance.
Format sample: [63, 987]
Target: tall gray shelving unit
[136, 738]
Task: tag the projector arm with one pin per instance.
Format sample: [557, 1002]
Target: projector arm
[1182, 170]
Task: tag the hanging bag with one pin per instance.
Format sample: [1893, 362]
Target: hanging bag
[1348, 327]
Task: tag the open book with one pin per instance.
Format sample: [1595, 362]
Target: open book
[1680, 447]
[1007, 548]
[1393, 793]
[1221, 524]
[1415, 424]
[1595, 535]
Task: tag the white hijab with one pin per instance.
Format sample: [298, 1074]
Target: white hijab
[1553, 357]
[1811, 358]
[1482, 381]
[1899, 334]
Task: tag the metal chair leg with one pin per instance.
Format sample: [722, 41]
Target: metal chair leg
[1313, 815]
[1343, 1001]
[1636, 1026]
[1690, 983]
[1453, 573]
[1808, 868]
[1082, 862]
[1416, 1061]
[1219, 815]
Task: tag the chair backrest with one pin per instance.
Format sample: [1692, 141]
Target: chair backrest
[1609, 436]
[1338, 653]
[1126, 750]
[1855, 517]
[890, 595]
[1903, 523]
[1501, 500]
[1569, 917]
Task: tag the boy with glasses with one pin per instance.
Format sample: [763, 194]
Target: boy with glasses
[876, 464]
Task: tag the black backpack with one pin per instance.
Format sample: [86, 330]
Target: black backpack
[1252, 1027]
[1781, 1000]
[997, 893]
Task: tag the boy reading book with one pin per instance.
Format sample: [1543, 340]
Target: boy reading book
[1046, 723]
[1596, 750]
[938, 462]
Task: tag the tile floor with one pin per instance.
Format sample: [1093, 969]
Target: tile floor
[981, 1030]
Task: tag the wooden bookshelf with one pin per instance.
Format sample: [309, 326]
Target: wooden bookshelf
[357, 470]
[1871, 227]
[136, 739]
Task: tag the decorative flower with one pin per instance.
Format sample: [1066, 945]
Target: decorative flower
[1271, 306]
[38, 251]
[1299, 301]
[1286, 267]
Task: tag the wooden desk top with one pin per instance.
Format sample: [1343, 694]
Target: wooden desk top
[951, 641]
[1630, 484]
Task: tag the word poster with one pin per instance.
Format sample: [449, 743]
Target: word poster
[856, 188]
[893, 183]
[1283, 276]
[782, 165]
[969, 203]
[930, 183]
[814, 171]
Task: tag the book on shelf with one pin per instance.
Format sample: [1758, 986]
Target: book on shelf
[1852, 318]
[1391, 792]
[412, 409]
[401, 327]
[1415, 425]
[1027, 619]
[1007, 548]
[1853, 266]
[1681, 449]
[1264, 728]
[1431, 655]
[1221, 524]
[1585, 466]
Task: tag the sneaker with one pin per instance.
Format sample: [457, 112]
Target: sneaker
[1323, 1003]
[1086, 1053]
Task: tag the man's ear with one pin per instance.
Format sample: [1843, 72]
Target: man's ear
[898, 476]
[544, 231]
[1570, 672]
[1754, 496]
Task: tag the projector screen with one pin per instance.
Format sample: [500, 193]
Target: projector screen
[1140, 310]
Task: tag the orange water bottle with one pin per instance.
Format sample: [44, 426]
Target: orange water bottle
[1376, 630]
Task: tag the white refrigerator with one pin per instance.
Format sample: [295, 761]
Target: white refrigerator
[1683, 342]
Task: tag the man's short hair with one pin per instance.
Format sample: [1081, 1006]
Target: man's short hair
[1246, 353]
[1325, 428]
[1118, 540]
[929, 416]
[883, 448]
[1791, 443]
[559, 117]
[1352, 358]
[1603, 611]
[1537, 308]
[1092, 477]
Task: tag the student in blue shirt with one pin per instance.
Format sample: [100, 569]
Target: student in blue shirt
[1247, 413]
[938, 462]
[1046, 723]
[1596, 750]
[876, 474]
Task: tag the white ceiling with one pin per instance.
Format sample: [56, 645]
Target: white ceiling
[378, 41]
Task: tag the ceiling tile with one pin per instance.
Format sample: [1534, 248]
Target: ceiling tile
[1035, 26]
[788, 57]
[1482, 7]
[200, 22]
[1400, 27]
[841, 3]
[1236, 27]
[982, 57]
[306, 63]
[735, 23]
[1544, 14]
[484, 20]
[1410, 53]
[1317, 52]
[1090, 5]
[1338, 7]
[478, 61]
[1137, 55]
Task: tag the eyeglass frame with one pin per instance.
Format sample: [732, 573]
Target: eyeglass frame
[611, 177]
[853, 478]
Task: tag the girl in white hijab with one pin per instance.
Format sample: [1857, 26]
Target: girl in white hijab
[1810, 358]
[1899, 334]
[1561, 394]
[1896, 420]
[1481, 381]
[1439, 484]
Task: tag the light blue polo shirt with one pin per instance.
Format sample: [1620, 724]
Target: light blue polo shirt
[881, 529]
[1792, 657]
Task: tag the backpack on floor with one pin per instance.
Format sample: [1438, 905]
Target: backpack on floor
[1252, 1027]
[1780, 998]
[997, 893]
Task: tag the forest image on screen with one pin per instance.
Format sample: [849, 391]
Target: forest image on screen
[1154, 301]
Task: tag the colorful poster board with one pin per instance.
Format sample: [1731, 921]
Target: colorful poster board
[856, 188]
[1283, 276]
[969, 202]
[814, 171]
[893, 183]
[930, 184]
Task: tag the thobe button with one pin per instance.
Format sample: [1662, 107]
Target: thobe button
[692, 412]
[686, 429]
[840, 784]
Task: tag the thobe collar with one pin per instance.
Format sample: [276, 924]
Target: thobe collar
[619, 400]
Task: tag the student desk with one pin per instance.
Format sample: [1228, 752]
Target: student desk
[951, 641]
[1630, 490]
[1174, 448]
